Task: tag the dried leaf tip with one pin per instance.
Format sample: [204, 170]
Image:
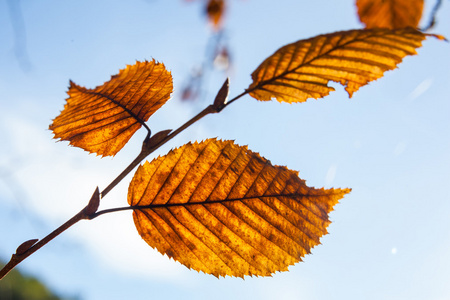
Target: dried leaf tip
[438, 36]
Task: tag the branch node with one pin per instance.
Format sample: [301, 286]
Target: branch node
[222, 96]
[155, 140]
[25, 246]
[93, 204]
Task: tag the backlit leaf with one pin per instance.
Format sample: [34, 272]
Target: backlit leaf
[302, 70]
[102, 120]
[222, 209]
[390, 13]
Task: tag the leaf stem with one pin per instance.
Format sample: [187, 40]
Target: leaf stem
[237, 97]
[204, 203]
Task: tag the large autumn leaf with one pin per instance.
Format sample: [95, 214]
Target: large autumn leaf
[353, 58]
[102, 120]
[390, 13]
[222, 209]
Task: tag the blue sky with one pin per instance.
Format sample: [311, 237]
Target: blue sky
[390, 143]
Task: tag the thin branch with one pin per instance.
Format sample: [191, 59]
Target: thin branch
[433, 14]
[29, 247]
[19, 257]
[141, 156]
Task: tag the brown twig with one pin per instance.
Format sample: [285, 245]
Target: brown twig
[433, 14]
[23, 252]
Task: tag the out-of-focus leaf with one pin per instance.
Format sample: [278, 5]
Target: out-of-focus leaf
[222, 209]
[390, 13]
[222, 59]
[302, 70]
[102, 120]
[19, 286]
[215, 11]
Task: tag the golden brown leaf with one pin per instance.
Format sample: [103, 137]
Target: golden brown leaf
[215, 10]
[102, 120]
[390, 13]
[222, 209]
[353, 58]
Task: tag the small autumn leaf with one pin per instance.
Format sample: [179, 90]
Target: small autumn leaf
[222, 209]
[102, 120]
[390, 13]
[303, 69]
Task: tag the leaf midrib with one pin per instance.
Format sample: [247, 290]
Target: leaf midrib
[206, 202]
[131, 113]
[268, 81]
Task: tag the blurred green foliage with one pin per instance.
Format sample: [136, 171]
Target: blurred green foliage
[16, 286]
